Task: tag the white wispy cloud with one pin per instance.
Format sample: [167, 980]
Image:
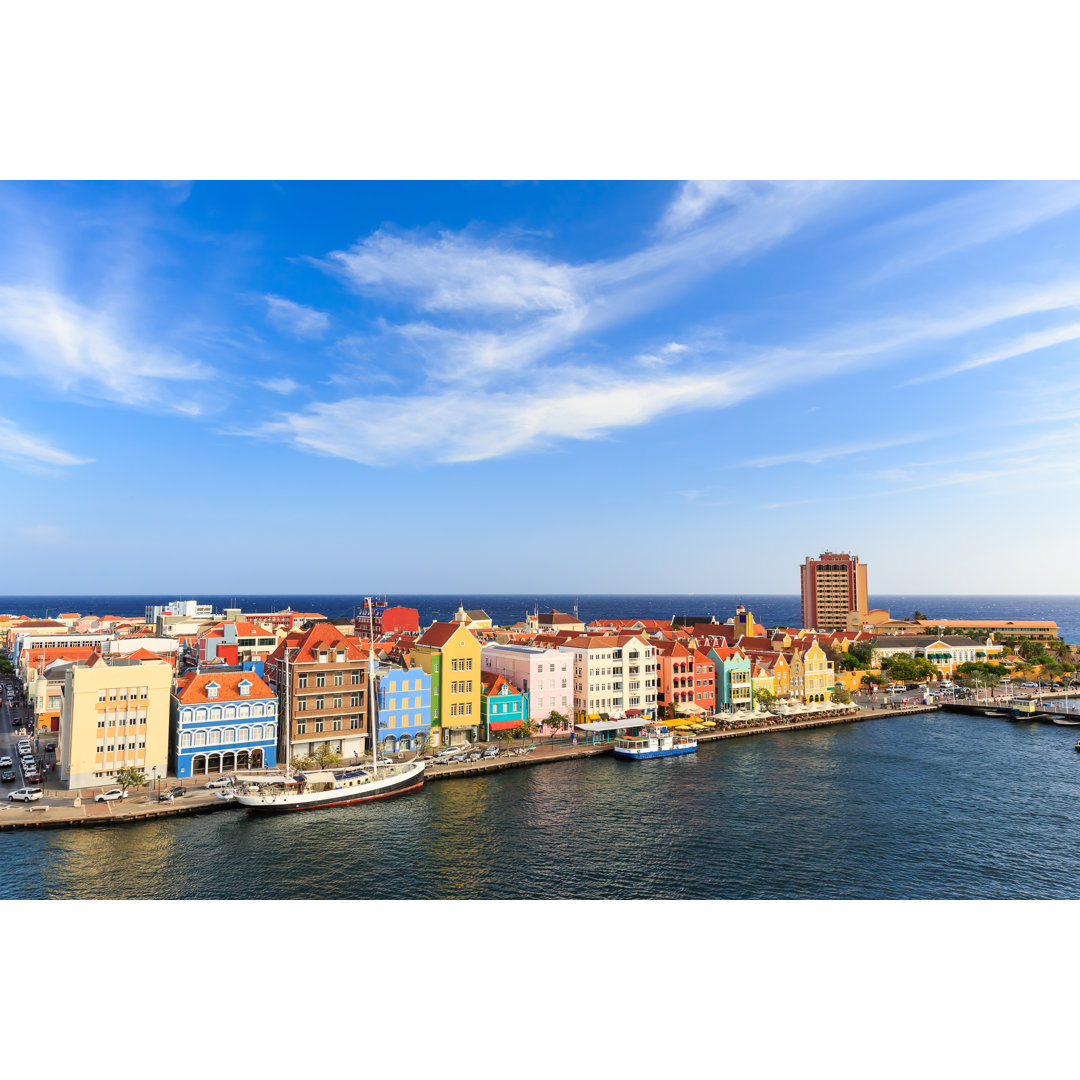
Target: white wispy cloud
[968, 220]
[696, 198]
[452, 272]
[23, 448]
[54, 340]
[815, 456]
[492, 415]
[1020, 346]
[294, 318]
[280, 386]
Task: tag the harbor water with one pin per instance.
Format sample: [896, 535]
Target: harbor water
[938, 805]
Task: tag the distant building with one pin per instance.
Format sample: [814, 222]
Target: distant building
[833, 592]
[552, 622]
[613, 674]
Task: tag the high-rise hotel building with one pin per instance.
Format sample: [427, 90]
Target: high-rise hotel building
[833, 592]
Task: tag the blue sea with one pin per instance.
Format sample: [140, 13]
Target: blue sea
[774, 610]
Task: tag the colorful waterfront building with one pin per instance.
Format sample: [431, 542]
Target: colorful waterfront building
[321, 678]
[404, 707]
[502, 706]
[223, 721]
[114, 715]
[734, 689]
[450, 654]
[545, 676]
[615, 674]
[811, 673]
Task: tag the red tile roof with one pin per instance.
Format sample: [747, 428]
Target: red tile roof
[191, 689]
[438, 634]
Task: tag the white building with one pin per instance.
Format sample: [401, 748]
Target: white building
[612, 675]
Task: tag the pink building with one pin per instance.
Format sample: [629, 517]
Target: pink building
[545, 676]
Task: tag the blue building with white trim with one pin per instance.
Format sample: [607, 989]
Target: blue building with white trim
[223, 722]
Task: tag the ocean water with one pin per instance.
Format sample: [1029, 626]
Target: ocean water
[770, 610]
[938, 805]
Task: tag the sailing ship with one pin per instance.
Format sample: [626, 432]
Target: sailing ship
[305, 789]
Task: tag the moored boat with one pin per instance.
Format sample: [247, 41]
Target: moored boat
[655, 741]
[327, 787]
[1067, 721]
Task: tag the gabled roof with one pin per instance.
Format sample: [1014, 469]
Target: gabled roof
[491, 683]
[191, 688]
[145, 654]
[439, 633]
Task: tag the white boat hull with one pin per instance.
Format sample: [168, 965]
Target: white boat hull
[405, 778]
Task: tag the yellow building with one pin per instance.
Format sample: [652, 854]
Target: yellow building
[450, 654]
[114, 715]
[811, 674]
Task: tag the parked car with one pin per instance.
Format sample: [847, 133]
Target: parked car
[111, 795]
[492, 751]
[221, 781]
[25, 794]
[476, 755]
[51, 747]
[32, 776]
[178, 790]
[5, 762]
[447, 752]
[7, 776]
[165, 796]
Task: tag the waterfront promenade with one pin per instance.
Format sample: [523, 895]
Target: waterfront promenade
[71, 809]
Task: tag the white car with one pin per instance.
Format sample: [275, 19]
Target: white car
[25, 794]
[111, 796]
[221, 781]
[5, 762]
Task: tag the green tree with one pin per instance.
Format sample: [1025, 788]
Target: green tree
[861, 650]
[765, 698]
[130, 777]
[326, 758]
[918, 616]
[841, 695]
[5, 666]
[557, 722]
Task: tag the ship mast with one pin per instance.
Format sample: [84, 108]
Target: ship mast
[373, 724]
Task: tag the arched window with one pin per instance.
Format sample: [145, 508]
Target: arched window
[200, 738]
[256, 709]
[215, 713]
[243, 711]
[200, 715]
[215, 736]
[229, 735]
[230, 713]
[185, 739]
[244, 734]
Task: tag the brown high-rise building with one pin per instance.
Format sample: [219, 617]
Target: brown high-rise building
[833, 592]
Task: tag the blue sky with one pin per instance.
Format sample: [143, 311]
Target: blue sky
[568, 387]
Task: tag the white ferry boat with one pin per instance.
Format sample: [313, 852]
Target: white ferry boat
[656, 741]
[327, 787]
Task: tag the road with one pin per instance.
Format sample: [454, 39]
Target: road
[10, 713]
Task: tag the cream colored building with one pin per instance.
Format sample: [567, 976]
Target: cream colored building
[114, 715]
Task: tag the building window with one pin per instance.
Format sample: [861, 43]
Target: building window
[320, 703]
[301, 727]
[302, 681]
[468, 664]
[355, 678]
[320, 678]
[337, 701]
[354, 701]
[337, 723]
[318, 725]
[339, 678]
[354, 721]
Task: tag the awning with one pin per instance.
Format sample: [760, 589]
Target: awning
[320, 777]
[689, 707]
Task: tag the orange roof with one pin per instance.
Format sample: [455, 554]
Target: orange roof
[144, 654]
[326, 636]
[191, 689]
